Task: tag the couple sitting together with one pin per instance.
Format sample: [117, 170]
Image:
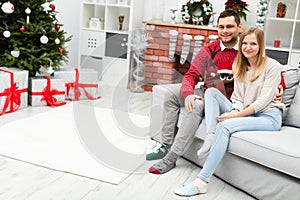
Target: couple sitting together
[252, 101]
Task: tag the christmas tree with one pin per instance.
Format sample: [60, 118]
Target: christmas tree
[31, 37]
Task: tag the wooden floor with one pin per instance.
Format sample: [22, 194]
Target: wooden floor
[20, 180]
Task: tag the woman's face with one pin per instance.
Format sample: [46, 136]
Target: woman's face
[250, 46]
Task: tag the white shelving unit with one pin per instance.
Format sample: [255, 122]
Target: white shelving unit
[287, 30]
[107, 49]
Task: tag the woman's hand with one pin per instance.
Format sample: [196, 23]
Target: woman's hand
[228, 115]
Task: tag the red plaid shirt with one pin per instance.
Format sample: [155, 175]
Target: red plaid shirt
[205, 66]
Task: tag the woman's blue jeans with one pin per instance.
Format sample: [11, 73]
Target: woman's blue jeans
[216, 104]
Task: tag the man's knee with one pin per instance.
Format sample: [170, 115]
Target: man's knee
[199, 106]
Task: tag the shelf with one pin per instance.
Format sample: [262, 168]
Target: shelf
[287, 49]
[286, 30]
[95, 3]
[280, 19]
[118, 5]
[117, 31]
[291, 8]
[91, 29]
[105, 46]
[295, 50]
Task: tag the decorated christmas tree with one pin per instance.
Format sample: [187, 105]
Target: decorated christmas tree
[31, 37]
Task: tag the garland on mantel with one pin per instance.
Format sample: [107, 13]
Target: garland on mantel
[262, 12]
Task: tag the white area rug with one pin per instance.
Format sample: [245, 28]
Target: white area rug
[62, 139]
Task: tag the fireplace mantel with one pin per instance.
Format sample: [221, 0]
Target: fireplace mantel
[157, 67]
[181, 25]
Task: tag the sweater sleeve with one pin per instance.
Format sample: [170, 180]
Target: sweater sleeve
[195, 72]
[237, 95]
[269, 89]
[282, 82]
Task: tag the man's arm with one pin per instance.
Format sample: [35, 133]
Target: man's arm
[195, 72]
[280, 93]
[281, 88]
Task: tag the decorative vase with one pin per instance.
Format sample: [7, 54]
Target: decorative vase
[121, 20]
[173, 16]
[281, 10]
[211, 20]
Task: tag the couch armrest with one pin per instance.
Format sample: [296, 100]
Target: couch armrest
[159, 97]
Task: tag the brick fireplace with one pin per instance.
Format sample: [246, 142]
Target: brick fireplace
[157, 67]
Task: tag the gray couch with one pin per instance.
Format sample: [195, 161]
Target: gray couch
[264, 164]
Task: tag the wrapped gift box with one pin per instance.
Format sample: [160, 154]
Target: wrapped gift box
[13, 89]
[46, 91]
[80, 83]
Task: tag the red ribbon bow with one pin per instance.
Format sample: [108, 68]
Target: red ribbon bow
[13, 95]
[48, 94]
[76, 85]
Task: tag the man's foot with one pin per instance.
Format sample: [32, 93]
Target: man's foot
[161, 152]
[203, 151]
[196, 187]
[164, 165]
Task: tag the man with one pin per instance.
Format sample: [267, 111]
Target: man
[217, 55]
[204, 66]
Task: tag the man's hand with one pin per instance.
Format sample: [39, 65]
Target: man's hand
[280, 94]
[189, 102]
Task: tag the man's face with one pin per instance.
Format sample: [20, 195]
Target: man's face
[228, 31]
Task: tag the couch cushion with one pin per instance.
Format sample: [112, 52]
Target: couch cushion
[291, 76]
[293, 115]
[279, 150]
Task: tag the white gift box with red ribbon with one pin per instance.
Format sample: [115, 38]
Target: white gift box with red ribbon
[13, 89]
[46, 91]
[81, 83]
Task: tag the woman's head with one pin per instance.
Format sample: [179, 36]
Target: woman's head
[252, 43]
[251, 53]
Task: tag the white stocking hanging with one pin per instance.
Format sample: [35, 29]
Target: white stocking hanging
[185, 48]
[212, 38]
[172, 43]
[198, 44]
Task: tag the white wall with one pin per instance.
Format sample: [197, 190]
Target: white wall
[69, 16]
[218, 6]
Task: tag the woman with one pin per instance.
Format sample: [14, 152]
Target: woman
[253, 106]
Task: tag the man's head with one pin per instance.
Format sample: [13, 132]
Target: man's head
[229, 26]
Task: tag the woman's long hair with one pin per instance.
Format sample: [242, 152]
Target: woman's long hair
[241, 63]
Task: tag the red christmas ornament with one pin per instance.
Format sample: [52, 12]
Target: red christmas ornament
[61, 50]
[57, 27]
[52, 6]
[22, 29]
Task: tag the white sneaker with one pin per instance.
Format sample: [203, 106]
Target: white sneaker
[192, 189]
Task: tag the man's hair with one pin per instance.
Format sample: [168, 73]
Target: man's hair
[228, 13]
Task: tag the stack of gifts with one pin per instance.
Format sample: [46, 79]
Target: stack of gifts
[13, 89]
[80, 83]
[17, 91]
[46, 91]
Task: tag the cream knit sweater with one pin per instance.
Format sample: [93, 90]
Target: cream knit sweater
[260, 93]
